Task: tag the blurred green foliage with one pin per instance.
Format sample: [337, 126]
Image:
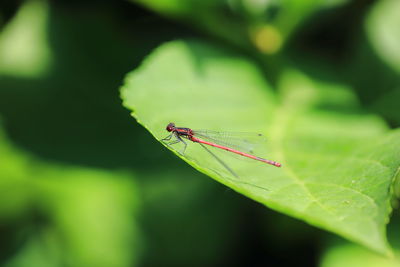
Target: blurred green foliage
[344, 254]
[69, 214]
[82, 184]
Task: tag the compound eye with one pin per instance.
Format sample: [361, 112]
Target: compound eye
[170, 127]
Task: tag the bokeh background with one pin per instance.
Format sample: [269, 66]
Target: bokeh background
[82, 184]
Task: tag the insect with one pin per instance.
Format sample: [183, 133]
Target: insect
[228, 141]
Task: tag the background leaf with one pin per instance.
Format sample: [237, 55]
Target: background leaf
[338, 164]
[383, 29]
[70, 214]
[24, 51]
[342, 254]
[263, 26]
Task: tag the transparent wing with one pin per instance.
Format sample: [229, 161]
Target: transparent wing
[237, 179]
[242, 141]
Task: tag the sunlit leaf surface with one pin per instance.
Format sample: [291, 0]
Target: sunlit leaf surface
[338, 165]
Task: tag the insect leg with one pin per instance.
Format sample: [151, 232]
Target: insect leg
[167, 138]
[173, 142]
[184, 143]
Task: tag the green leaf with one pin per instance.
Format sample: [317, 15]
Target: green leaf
[338, 165]
[89, 213]
[383, 30]
[343, 254]
[24, 48]
[348, 255]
